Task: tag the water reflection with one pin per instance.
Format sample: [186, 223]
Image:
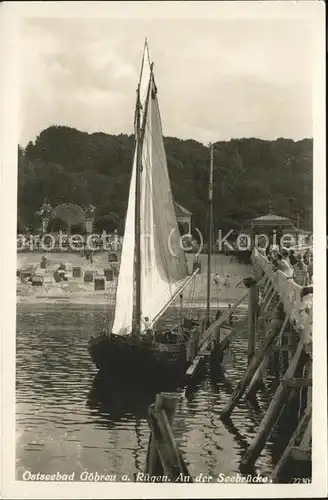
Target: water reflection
[239, 438]
[69, 420]
[116, 399]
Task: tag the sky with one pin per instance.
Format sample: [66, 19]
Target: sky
[217, 79]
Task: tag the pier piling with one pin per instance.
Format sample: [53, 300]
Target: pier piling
[276, 326]
[270, 418]
[302, 426]
[257, 379]
[253, 294]
[163, 457]
[216, 354]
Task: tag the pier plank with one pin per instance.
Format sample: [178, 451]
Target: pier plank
[231, 334]
[298, 453]
[298, 382]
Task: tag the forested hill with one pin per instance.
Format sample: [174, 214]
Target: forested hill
[250, 176]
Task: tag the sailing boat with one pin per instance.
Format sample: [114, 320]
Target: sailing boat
[153, 270]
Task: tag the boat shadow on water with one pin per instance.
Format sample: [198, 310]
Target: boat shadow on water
[117, 399]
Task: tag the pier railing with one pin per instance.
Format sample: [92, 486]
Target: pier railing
[299, 311]
[278, 306]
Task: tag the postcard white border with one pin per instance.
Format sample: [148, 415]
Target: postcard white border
[10, 15]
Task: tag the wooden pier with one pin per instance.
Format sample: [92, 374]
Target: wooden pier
[282, 315]
[214, 340]
[287, 320]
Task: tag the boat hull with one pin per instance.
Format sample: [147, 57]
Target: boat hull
[133, 359]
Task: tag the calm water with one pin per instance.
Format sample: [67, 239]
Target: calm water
[63, 425]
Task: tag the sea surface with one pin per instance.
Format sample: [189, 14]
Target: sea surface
[65, 424]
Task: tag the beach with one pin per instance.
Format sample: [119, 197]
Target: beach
[75, 290]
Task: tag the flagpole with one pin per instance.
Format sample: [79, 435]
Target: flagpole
[210, 236]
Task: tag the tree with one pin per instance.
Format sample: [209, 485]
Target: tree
[67, 165]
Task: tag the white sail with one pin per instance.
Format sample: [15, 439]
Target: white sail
[125, 288]
[163, 264]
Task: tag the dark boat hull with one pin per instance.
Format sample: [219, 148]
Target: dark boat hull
[129, 358]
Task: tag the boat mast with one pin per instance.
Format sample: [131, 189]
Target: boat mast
[210, 236]
[137, 212]
[140, 133]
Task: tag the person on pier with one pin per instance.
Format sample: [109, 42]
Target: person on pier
[282, 265]
[263, 250]
[292, 257]
[286, 255]
[218, 314]
[300, 271]
[217, 280]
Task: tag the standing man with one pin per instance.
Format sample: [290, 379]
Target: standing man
[149, 332]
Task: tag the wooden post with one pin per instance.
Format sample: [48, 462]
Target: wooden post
[309, 391]
[195, 342]
[266, 295]
[215, 358]
[192, 345]
[292, 344]
[252, 313]
[164, 457]
[266, 287]
[305, 389]
[258, 377]
[276, 327]
[201, 330]
[270, 418]
[167, 402]
[272, 293]
[181, 310]
[286, 454]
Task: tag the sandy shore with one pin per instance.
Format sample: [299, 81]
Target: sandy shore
[74, 290]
